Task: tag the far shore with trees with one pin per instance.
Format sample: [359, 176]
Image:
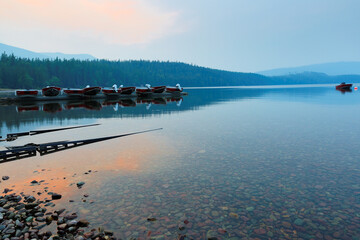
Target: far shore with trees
[26, 73]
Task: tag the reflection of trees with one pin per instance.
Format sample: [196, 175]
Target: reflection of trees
[196, 99]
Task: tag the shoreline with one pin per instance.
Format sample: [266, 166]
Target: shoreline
[24, 217]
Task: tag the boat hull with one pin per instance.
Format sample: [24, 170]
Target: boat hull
[344, 86]
[127, 90]
[91, 91]
[111, 92]
[26, 93]
[143, 91]
[74, 92]
[158, 89]
[174, 90]
[51, 91]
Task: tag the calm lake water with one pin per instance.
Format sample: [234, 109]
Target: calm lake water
[240, 163]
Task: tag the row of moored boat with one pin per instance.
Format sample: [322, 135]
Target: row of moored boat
[53, 91]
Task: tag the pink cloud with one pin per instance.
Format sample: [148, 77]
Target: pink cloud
[110, 21]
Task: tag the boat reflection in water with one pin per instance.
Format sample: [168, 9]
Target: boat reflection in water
[52, 107]
[28, 106]
[159, 101]
[119, 103]
[95, 104]
[178, 100]
[344, 90]
[87, 104]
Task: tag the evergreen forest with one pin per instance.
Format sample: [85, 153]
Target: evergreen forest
[27, 73]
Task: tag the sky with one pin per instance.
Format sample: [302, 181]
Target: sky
[234, 35]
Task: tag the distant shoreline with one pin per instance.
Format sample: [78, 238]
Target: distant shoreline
[239, 86]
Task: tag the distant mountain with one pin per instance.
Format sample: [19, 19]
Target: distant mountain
[335, 68]
[69, 56]
[312, 78]
[23, 53]
[19, 52]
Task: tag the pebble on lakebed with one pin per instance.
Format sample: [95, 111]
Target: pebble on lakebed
[80, 184]
[23, 217]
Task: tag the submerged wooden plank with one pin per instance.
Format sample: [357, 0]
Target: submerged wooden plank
[29, 150]
[18, 153]
[20, 134]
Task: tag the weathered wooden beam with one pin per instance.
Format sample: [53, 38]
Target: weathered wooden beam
[29, 150]
[19, 153]
[20, 134]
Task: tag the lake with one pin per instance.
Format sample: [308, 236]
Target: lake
[230, 163]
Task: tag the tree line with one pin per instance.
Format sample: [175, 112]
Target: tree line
[16, 72]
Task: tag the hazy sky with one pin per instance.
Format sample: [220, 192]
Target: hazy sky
[236, 35]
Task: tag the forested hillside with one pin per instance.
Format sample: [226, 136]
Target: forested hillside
[35, 73]
[24, 73]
